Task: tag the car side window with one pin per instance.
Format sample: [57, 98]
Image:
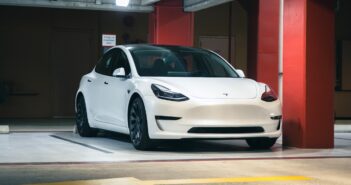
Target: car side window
[104, 65]
[121, 61]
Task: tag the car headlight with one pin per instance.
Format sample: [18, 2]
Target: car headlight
[166, 94]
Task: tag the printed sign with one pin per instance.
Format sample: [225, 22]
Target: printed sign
[108, 40]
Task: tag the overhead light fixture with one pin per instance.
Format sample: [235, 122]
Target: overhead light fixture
[123, 3]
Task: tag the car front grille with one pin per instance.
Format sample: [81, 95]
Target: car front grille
[225, 130]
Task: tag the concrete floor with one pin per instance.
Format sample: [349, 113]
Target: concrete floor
[46, 147]
[40, 157]
[327, 171]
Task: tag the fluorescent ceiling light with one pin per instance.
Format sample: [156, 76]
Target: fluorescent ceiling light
[124, 3]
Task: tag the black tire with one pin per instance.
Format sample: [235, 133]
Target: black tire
[137, 124]
[82, 123]
[261, 143]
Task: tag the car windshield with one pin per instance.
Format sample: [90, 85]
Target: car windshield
[173, 61]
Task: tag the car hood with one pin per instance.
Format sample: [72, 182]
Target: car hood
[210, 88]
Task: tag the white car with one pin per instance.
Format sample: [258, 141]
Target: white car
[156, 92]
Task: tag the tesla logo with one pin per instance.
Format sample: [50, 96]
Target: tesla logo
[225, 94]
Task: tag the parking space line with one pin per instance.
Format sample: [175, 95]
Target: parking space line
[134, 181]
[82, 144]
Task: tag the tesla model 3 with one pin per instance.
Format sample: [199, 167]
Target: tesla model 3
[154, 92]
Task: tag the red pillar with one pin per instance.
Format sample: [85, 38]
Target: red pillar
[308, 73]
[267, 44]
[252, 9]
[308, 65]
[169, 24]
[263, 41]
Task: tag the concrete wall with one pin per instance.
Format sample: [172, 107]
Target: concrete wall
[215, 21]
[30, 37]
[343, 38]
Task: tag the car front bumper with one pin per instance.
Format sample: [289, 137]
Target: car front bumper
[212, 118]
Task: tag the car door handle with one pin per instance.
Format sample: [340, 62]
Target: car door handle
[105, 83]
[89, 80]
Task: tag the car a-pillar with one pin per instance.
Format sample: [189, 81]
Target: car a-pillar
[169, 24]
[308, 65]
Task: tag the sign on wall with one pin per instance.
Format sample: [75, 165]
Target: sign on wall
[108, 40]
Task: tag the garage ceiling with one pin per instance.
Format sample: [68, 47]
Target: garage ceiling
[104, 5]
[109, 5]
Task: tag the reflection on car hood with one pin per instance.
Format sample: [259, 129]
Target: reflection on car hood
[212, 88]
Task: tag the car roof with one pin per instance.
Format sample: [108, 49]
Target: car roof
[133, 47]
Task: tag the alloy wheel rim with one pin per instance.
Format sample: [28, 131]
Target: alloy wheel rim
[135, 119]
[80, 118]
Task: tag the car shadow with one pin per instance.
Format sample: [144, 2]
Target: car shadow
[192, 146]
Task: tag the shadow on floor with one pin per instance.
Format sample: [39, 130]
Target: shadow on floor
[117, 141]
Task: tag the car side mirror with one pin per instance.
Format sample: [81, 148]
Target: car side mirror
[119, 72]
[240, 73]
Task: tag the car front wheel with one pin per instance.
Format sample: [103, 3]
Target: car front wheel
[137, 123]
[261, 143]
[82, 123]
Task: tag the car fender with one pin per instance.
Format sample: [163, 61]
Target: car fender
[82, 90]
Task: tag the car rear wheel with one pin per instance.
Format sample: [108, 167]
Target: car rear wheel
[82, 123]
[137, 123]
[261, 143]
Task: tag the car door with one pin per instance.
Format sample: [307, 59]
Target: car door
[116, 90]
[98, 83]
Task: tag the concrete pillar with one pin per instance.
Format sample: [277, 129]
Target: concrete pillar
[169, 24]
[308, 89]
[308, 65]
[263, 41]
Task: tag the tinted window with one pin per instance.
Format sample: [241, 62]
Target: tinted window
[121, 61]
[112, 60]
[104, 65]
[179, 62]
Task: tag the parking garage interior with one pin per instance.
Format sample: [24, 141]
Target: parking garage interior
[301, 48]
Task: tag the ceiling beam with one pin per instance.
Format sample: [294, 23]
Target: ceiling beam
[196, 5]
[148, 2]
[88, 5]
